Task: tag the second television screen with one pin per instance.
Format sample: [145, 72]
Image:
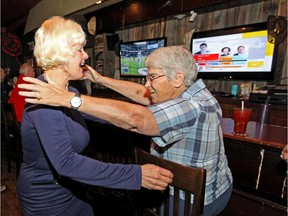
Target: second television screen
[133, 55]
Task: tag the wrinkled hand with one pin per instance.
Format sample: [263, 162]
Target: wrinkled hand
[91, 74]
[43, 93]
[155, 177]
[284, 154]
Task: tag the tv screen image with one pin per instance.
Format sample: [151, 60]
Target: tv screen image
[241, 52]
[134, 53]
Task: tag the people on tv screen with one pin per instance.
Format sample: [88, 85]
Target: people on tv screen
[203, 49]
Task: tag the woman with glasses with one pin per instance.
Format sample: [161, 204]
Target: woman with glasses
[180, 114]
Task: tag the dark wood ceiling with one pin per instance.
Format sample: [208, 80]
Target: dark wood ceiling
[14, 14]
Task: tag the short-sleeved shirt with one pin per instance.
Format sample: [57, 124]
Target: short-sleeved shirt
[191, 135]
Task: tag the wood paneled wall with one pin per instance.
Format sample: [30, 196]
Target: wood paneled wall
[175, 31]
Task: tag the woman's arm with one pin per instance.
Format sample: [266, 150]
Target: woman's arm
[134, 91]
[57, 144]
[129, 116]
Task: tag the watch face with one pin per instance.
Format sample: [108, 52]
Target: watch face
[76, 102]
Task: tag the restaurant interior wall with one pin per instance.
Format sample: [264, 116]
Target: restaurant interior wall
[176, 30]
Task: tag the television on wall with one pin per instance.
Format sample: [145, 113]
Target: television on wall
[134, 53]
[238, 53]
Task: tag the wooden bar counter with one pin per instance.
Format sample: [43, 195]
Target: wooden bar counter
[259, 174]
[261, 134]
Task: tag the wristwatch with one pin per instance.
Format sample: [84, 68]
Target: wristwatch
[76, 101]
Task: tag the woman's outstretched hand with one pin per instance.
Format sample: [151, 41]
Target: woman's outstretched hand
[91, 74]
[155, 177]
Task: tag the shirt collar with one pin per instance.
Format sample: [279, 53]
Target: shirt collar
[196, 87]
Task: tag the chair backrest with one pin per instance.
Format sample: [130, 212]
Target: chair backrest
[191, 180]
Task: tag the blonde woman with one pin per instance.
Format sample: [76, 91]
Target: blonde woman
[53, 138]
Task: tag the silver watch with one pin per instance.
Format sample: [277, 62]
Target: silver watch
[76, 101]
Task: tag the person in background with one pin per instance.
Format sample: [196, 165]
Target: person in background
[203, 49]
[4, 98]
[139, 55]
[26, 70]
[180, 114]
[4, 94]
[13, 81]
[5, 87]
[53, 138]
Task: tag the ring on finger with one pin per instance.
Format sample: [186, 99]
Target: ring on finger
[39, 96]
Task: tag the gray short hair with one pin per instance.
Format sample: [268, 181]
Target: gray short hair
[24, 68]
[173, 59]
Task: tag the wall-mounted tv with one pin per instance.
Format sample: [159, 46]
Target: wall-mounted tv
[133, 55]
[239, 53]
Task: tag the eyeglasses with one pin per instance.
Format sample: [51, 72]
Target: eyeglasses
[151, 78]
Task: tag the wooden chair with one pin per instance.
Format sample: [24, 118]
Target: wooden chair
[191, 180]
[11, 135]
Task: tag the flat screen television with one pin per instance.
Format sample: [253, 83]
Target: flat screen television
[133, 55]
[236, 53]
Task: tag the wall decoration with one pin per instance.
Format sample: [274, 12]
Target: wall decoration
[11, 45]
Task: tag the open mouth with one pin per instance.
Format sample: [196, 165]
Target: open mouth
[84, 67]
